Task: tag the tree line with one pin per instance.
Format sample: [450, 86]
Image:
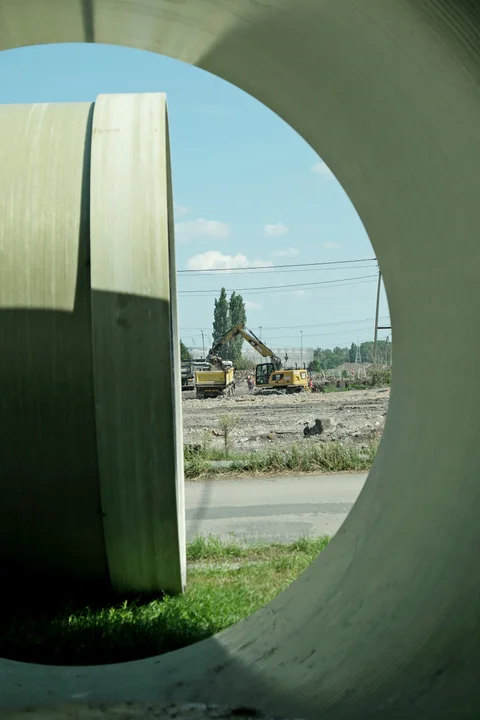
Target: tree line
[328, 359]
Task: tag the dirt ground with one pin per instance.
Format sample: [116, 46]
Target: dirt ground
[356, 415]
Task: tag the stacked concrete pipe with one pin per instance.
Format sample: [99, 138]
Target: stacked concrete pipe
[385, 622]
[92, 476]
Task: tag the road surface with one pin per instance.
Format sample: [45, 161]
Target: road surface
[271, 509]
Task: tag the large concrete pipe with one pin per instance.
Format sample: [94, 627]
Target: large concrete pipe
[385, 622]
[91, 477]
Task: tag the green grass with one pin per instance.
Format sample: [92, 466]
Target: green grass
[307, 457]
[226, 583]
[327, 457]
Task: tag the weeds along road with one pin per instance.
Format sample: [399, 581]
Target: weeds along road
[266, 422]
[271, 509]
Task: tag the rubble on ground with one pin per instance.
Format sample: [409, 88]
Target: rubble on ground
[356, 416]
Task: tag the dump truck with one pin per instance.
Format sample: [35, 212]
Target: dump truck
[189, 368]
[188, 376]
[218, 380]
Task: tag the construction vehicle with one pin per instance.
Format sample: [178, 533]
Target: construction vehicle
[268, 375]
[218, 379]
[293, 381]
[188, 376]
[188, 372]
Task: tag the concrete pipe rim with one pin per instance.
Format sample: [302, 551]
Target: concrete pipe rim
[382, 624]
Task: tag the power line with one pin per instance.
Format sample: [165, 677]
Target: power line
[268, 269]
[322, 334]
[271, 269]
[316, 335]
[272, 292]
[222, 271]
[329, 324]
[319, 335]
[282, 287]
[291, 327]
[281, 290]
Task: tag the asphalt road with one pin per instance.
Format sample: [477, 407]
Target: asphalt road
[271, 509]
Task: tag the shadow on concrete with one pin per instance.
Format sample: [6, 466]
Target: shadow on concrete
[51, 533]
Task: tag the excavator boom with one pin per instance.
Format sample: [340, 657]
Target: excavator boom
[252, 340]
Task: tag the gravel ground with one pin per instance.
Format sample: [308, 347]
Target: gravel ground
[356, 415]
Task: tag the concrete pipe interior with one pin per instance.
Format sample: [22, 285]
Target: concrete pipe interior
[385, 622]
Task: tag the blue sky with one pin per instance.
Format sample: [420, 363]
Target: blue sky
[248, 192]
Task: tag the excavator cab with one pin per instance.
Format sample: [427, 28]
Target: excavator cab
[262, 374]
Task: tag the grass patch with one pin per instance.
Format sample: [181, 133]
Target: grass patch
[196, 467]
[226, 583]
[305, 457]
[325, 457]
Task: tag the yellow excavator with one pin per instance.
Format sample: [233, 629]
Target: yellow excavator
[268, 375]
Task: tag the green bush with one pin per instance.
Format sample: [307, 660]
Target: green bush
[380, 376]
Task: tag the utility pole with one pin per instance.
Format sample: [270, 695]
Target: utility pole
[388, 351]
[301, 348]
[358, 354]
[261, 326]
[377, 307]
[203, 343]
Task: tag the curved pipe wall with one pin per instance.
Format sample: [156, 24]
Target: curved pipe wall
[89, 415]
[385, 622]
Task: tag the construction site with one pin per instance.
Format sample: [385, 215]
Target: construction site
[356, 416]
[276, 405]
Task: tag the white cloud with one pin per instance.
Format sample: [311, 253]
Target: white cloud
[189, 229]
[275, 229]
[216, 260]
[331, 245]
[289, 252]
[321, 169]
[181, 210]
[252, 305]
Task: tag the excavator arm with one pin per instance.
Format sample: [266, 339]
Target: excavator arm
[252, 340]
[261, 348]
[223, 339]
